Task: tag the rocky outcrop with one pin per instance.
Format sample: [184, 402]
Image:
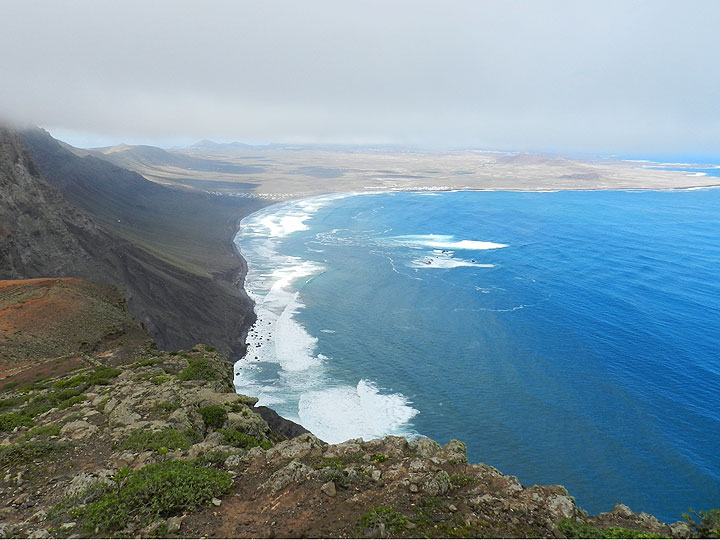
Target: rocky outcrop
[81, 448]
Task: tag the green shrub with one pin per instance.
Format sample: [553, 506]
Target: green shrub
[379, 518]
[25, 452]
[101, 375]
[72, 401]
[214, 416]
[160, 379]
[42, 431]
[214, 457]
[200, 369]
[164, 408]
[461, 480]
[159, 490]
[10, 421]
[573, 528]
[167, 439]
[9, 403]
[77, 380]
[705, 522]
[379, 458]
[329, 463]
[236, 438]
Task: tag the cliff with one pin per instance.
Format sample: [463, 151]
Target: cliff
[102, 223]
[129, 441]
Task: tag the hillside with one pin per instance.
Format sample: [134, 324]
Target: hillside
[44, 235]
[130, 441]
[41, 319]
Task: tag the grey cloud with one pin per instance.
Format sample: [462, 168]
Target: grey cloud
[632, 76]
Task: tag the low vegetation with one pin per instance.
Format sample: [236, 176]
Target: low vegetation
[572, 528]
[159, 490]
[159, 441]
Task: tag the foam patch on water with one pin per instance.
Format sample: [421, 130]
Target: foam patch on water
[346, 412]
[445, 263]
[442, 241]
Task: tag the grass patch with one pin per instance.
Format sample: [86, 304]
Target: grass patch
[25, 452]
[200, 369]
[572, 528]
[72, 401]
[159, 490]
[9, 403]
[159, 441]
[381, 521]
[164, 408]
[238, 439]
[462, 480]
[215, 457]
[214, 416]
[41, 432]
[101, 375]
[160, 379]
[77, 380]
[10, 421]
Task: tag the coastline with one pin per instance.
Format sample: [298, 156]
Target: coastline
[420, 191]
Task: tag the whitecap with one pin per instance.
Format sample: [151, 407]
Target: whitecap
[443, 241]
[344, 412]
[445, 263]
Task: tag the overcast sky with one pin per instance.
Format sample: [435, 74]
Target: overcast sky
[597, 76]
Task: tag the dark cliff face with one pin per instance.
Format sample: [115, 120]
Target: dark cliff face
[44, 235]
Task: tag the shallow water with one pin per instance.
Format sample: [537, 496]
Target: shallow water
[567, 337]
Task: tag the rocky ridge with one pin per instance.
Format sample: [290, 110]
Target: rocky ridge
[139, 442]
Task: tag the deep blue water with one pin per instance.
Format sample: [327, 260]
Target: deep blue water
[586, 352]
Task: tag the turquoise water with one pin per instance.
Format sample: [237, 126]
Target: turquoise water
[568, 338]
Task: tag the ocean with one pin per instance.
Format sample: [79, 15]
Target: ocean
[567, 337]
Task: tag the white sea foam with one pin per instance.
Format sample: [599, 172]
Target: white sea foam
[281, 366]
[344, 412]
[445, 263]
[443, 241]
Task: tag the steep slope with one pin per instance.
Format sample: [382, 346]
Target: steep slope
[42, 235]
[46, 318]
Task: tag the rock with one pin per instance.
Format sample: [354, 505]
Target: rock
[174, 524]
[215, 501]
[452, 508]
[329, 489]
[215, 438]
[454, 452]
[78, 429]
[40, 515]
[292, 472]
[199, 448]
[235, 462]
[68, 525]
[681, 529]
[283, 426]
[414, 488]
[151, 530]
[122, 414]
[295, 448]
[439, 484]
[39, 533]
[376, 474]
[561, 506]
[622, 511]
[83, 480]
[250, 423]
[424, 447]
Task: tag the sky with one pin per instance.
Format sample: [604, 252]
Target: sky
[625, 77]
